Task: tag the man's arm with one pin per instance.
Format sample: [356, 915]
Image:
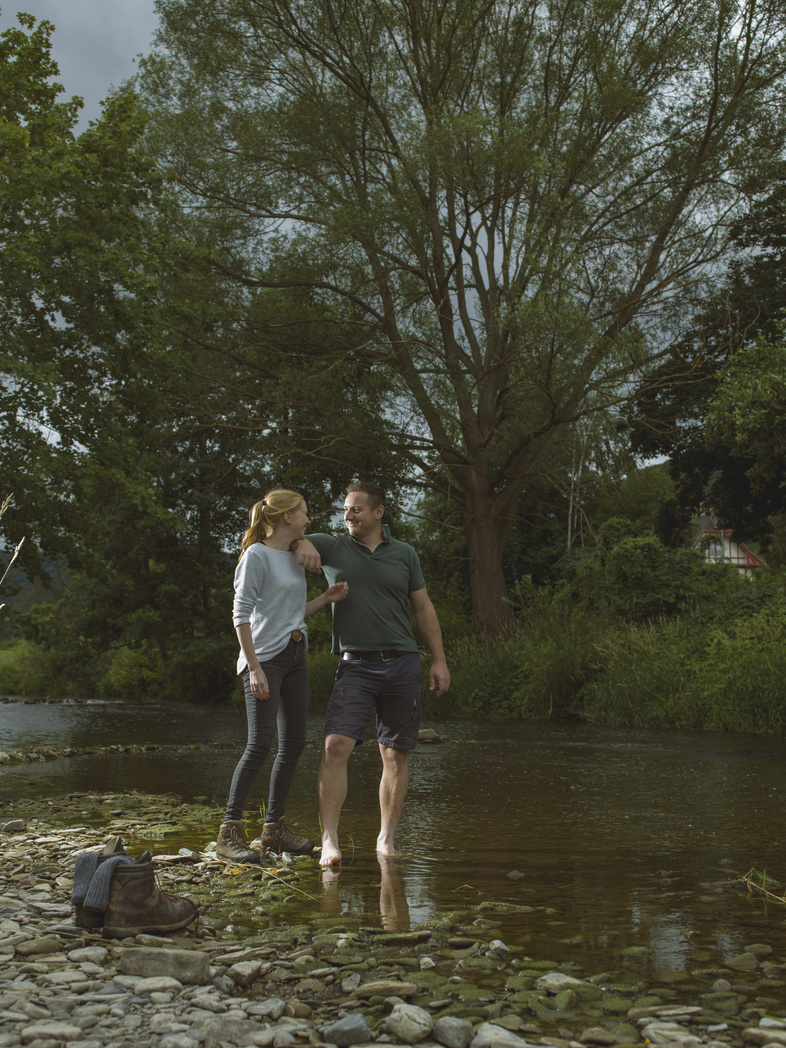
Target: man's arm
[431, 635]
[307, 555]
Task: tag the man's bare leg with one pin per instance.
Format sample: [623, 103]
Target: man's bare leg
[392, 791]
[332, 792]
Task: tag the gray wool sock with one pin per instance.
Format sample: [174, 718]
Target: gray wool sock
[86, 866]
[97, 896]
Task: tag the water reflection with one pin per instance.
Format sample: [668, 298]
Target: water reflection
[393, 905]
[602, 840]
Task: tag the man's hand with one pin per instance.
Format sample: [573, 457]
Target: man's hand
[307, 555]
[439, 677]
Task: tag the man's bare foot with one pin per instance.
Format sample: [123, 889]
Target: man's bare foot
[331, 854]
[385, 846]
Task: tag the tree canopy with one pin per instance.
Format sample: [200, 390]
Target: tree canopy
[712, 406]
[502, 207]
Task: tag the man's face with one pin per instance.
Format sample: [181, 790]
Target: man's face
[361, 520]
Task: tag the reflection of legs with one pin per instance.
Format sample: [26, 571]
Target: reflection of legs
[392, 791]
[330, 901]
[292, 718]
[393, 904]
[332, 792]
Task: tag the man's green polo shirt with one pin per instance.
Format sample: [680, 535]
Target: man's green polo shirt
[375, 614]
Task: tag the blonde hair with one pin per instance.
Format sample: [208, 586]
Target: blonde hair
[265, 515]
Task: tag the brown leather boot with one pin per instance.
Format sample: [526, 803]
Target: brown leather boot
[89, 916]
[137, 906]
[279, 838]
[232, 844]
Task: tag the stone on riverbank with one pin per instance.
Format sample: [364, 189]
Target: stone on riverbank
[186, 966]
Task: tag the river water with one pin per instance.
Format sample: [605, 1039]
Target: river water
[618, 839]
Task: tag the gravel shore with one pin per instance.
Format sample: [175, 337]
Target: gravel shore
[327, 981]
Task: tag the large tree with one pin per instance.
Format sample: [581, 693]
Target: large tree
[506, 204]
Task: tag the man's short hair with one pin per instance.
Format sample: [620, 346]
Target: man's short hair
[376, 496]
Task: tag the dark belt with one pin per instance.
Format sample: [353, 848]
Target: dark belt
[372, 656]
[297, 635]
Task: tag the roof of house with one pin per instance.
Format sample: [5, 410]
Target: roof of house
[751, 560]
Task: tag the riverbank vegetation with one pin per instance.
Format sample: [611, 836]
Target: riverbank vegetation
[700, 648]
[212, 292]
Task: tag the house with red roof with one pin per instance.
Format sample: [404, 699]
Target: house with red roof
[720, 547]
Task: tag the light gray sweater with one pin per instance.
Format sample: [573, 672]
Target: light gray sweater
[270, 594]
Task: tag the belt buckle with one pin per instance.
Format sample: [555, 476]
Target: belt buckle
[392, 658]
[297, 636]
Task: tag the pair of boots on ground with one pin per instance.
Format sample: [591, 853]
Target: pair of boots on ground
[276, 837]
[120, 895]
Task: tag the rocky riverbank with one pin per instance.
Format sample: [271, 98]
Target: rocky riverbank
[250, 974]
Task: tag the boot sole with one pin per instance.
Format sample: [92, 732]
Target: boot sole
[145, 929]
[236, 858]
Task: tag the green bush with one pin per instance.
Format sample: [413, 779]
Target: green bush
[29, 669]
[641, 676]
[685, 673]
[739, 680]
[321, 674]
[532, 675]
[482, 679]
[132, 673]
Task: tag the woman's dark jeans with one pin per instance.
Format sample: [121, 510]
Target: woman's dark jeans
[286, 710]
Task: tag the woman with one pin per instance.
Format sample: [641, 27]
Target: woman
[269, 615]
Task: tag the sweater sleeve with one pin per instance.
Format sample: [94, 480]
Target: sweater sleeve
[249, 578]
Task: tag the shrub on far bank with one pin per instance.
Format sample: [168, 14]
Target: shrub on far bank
[685, 673]
[26, 669]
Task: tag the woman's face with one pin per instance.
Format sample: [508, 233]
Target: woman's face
[298, 520]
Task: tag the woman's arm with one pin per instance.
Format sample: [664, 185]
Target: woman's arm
[336, 592]
[256, 677]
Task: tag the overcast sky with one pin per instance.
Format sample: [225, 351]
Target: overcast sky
[95, 42]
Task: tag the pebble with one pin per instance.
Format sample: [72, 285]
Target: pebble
[61, 985]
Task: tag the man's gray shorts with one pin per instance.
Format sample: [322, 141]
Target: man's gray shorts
[391, 689]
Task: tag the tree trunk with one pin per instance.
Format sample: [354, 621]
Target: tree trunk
[486, 535]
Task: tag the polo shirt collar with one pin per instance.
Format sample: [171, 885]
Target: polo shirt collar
[386, 536]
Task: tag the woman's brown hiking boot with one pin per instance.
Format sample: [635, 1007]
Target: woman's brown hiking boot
[279, 838]
[233, 846]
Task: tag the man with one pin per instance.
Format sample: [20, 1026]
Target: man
[380, 668]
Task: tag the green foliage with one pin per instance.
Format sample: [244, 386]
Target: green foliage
[321, 675]
[684, 673]
[746, 414]
[635, 634]
[30, 669]
[715, 404]
[481, 240]
[636, 577]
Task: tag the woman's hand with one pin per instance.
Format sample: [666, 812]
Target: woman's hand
[259, 685]
[336, 592]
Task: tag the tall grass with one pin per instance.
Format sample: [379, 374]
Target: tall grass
[687, 674]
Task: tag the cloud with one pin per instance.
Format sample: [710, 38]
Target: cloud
[95, 42]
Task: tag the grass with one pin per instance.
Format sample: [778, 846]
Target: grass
[760, 881]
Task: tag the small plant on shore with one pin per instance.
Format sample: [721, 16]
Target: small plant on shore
[760, 881]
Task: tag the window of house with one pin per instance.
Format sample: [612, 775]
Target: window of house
[715, 549]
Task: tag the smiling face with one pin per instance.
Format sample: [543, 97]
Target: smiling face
[298, 521]
[361, 520]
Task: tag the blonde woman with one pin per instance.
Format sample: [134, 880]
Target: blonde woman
[269, 615]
